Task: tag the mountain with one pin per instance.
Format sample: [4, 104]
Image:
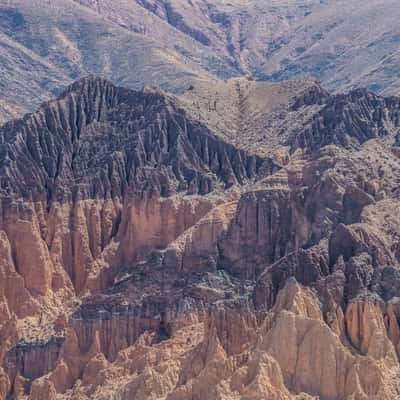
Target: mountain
[45, 46]
[345, 44]
[174, 44]
[237, 240]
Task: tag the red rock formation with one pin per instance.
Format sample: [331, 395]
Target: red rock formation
[143, 256]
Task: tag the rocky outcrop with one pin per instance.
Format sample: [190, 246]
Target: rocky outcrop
[265, 229]
[32, 360]
[83, 190]
[349, 120]
[294, 351]
[99, 141]
[85, 193]
[144, 255]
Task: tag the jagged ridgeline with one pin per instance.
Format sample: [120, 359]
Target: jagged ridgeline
[240, 240]
[97, 140]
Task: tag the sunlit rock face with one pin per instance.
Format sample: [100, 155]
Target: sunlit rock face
[147, 255]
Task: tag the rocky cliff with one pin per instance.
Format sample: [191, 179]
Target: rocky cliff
[150, 254]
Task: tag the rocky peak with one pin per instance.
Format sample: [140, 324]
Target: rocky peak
[100, 140]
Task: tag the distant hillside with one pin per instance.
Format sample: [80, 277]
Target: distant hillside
[45, 45]
[345, 44]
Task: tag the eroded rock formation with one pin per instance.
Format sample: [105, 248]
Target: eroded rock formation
[145, 255]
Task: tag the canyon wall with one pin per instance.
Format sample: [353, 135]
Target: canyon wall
[144, 256]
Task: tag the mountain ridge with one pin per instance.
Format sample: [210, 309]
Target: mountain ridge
[145, 252]
[134, 43]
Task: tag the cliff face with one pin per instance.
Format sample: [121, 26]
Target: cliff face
[144, 255]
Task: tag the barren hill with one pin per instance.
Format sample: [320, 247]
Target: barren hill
[45, 45]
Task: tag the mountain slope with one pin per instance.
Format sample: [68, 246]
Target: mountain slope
[65, 40]
[264, 117]
[174, 44]
[147, 254]
[345, 44]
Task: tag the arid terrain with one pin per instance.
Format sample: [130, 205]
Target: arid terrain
[47, 44]
[237, 240]
[199, 200]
